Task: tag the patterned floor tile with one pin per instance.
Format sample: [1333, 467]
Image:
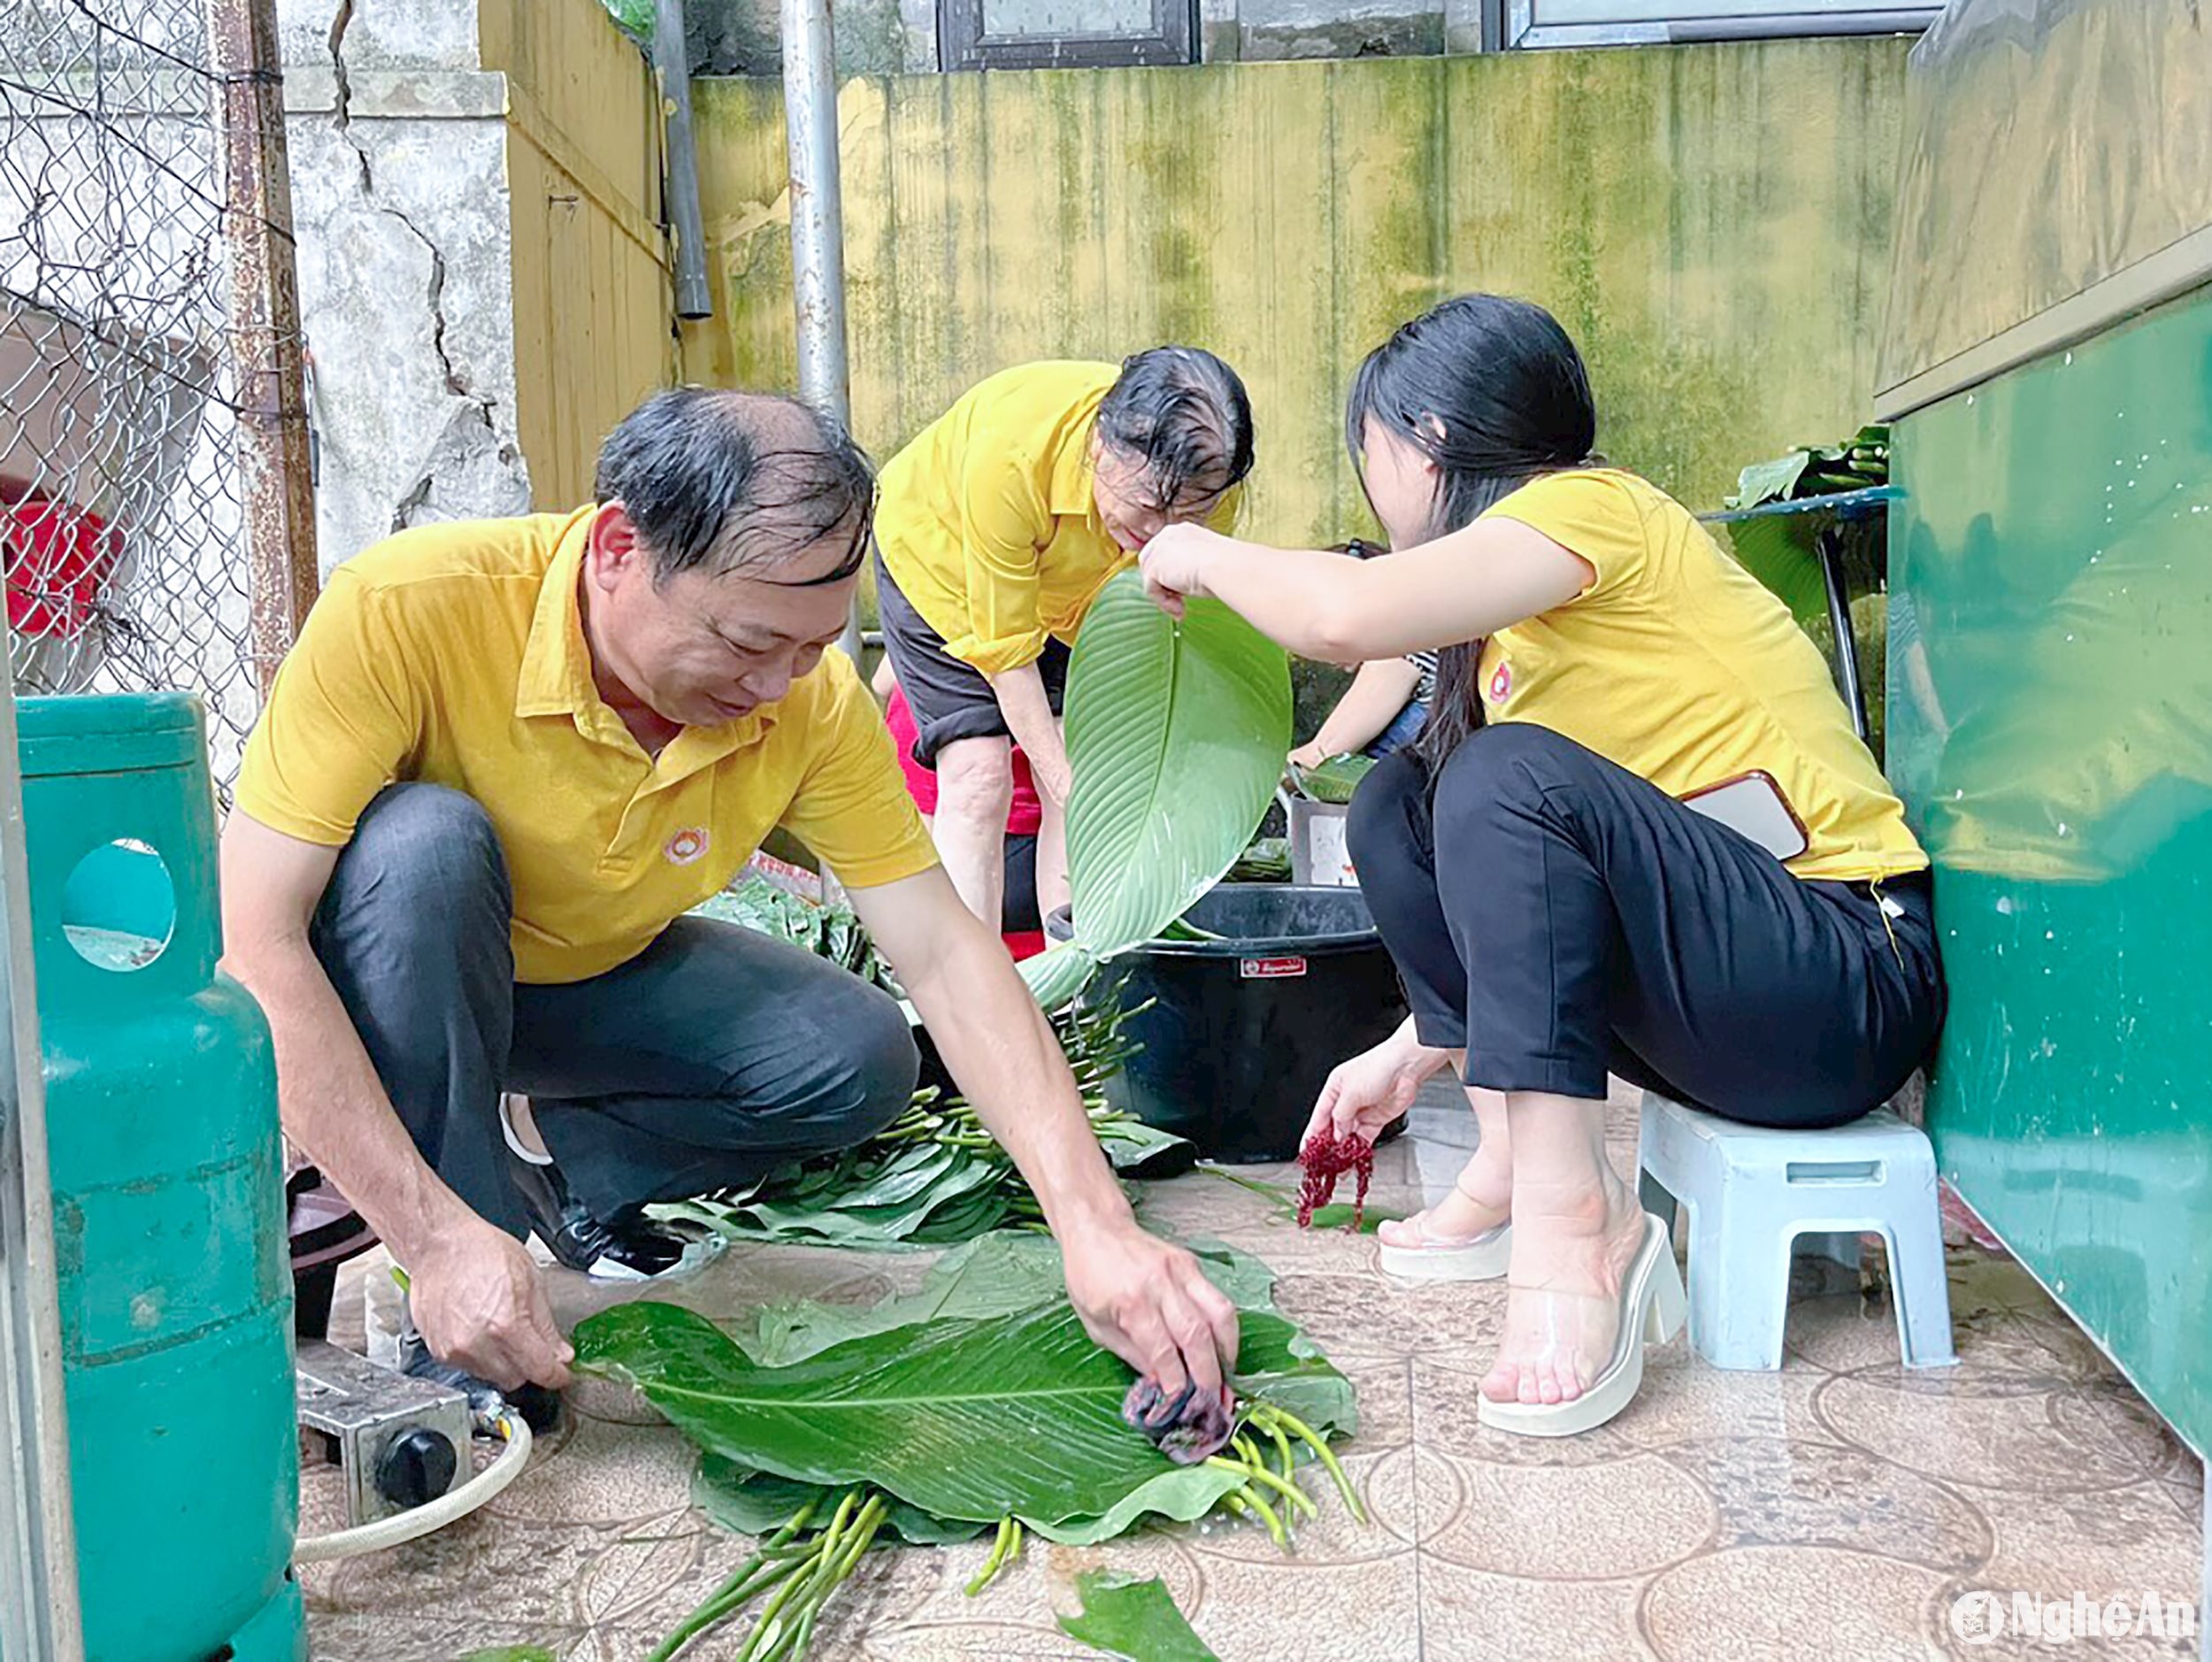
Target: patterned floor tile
[1839, 1507]
[1620, 1518]
[1467, 1614]
[1757, 1603]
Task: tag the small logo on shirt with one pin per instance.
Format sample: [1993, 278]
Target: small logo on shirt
[1501, 683]
[687, 845]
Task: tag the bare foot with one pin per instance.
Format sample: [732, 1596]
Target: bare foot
[1570, 1254]
[1481, 1199]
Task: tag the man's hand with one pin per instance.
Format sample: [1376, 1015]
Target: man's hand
[479, 1305]
[474, 1291]
[1055, 783]
[1022, 700]
[1366, 1093]
[1151, 1305]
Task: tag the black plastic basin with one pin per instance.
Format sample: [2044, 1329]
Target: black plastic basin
[1243, 1030]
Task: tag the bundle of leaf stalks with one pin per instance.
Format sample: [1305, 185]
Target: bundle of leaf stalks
[977, 1406]
[935, 1177]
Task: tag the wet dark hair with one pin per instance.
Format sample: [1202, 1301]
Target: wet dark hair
[723, 482]
[1505, 384]
[1185, 416]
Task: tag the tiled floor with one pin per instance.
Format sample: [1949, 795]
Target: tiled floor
[1835, 1509]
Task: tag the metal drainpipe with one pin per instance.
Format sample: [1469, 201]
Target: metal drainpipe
[818, 220]
[672, 68]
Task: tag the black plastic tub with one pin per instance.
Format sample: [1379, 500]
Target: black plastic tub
[1243, 1030]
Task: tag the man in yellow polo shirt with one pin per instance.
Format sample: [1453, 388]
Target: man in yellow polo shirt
[501, 763]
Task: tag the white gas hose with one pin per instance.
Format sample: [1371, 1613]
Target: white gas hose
[432, 1515]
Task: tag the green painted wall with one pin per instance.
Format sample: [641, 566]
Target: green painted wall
[1712, 223]
[2051, 603]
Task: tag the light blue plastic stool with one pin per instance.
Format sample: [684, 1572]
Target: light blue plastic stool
[1755, 1195]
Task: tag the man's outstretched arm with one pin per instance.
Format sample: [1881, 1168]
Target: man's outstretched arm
[1141, 1298]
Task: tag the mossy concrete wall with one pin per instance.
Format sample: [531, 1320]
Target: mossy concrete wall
[1711, 223]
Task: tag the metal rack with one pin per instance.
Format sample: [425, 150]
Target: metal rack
[1837, 509]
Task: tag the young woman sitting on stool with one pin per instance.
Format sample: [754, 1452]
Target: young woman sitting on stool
[1557, 908]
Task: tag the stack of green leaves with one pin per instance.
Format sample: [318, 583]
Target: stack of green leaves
[1817, 470]
[1266, 861]
[977, 1405]
[936, 1177]
[879, 1198]
[828, 929]
[1779, 549]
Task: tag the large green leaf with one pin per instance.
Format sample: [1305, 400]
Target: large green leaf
[1771, 482]
[1125, 1617]
[977, 1398]
[965, 1419]
[1137, 1149]
[998, 1275]
[1176, 732]
[1778, 551]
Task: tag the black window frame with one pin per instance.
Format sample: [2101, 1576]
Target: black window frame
[962, 43]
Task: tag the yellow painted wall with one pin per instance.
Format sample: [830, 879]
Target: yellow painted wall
[1712, 224]
[593, 317]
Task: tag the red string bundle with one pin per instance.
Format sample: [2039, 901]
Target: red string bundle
[1324, 1158]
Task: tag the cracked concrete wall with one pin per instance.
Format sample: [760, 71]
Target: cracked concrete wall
[399, 199]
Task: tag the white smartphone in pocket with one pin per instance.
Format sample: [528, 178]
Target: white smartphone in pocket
[1753, 805]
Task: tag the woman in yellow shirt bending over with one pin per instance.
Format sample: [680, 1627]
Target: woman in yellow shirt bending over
[998, 527]
[1549, 867]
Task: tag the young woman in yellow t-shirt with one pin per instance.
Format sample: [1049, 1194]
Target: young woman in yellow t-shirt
[999, 525]
[1557, 907]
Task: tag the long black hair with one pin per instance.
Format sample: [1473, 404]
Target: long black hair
[1492, 391]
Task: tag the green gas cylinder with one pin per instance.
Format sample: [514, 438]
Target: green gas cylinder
[168, 1195]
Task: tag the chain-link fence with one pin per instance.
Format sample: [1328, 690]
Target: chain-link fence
[144, 334]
